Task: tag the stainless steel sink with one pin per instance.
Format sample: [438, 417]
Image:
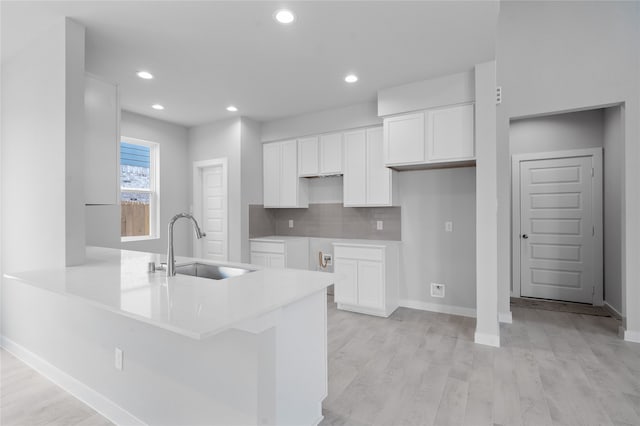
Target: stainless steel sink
[213, 272]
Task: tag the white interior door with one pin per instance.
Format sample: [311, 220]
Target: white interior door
[212, 204]
[557, 229]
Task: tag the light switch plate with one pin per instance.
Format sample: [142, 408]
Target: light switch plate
[448, 226]
[290, 223]
[379, 225]
[119, 355]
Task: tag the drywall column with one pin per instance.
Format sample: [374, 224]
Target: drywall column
[487, 326]
[42, 151]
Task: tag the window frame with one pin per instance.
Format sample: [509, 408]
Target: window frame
[153, 191]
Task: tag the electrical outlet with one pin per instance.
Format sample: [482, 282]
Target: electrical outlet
[290, 223]
[448, 226]
[119, 358]
[327, 259]
[437, 290]
[379, 225]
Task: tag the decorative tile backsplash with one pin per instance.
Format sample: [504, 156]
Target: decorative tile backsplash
[326, 221]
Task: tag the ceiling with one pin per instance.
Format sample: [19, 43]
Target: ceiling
[206, 55]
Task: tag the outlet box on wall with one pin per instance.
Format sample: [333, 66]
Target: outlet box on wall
[437, 290]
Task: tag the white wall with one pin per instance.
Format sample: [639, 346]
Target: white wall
[326, 190]
[251, 179]
[349, 117]
[563, 56]
[42, 190]
[488, 317]
[429, 198]
[222, 139]
[447, 90]
[557, 132]
[613, 157]
[103, 222]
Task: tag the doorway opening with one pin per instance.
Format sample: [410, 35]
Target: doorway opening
[566, 206]
[210, 207]
[557, 213]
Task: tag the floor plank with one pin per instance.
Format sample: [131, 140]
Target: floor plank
[422, 368]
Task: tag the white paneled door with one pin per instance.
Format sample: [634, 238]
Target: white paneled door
[558, 220]
[211, 210]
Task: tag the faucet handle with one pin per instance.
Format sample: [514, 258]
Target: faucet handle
[152, 267]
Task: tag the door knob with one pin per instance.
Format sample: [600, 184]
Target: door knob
[525, 236]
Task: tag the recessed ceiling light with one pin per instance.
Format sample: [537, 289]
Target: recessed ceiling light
[145, 74]
[231, 108]
[157, 106]
[284, 16]
[351, 78]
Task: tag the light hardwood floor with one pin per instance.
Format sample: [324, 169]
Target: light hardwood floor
[28, 399]
[422, 368]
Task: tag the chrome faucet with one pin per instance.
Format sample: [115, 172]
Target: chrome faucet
[171, 261]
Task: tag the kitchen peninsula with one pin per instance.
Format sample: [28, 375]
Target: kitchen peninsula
[250, 349]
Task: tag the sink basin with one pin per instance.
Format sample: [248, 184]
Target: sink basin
[213, 272]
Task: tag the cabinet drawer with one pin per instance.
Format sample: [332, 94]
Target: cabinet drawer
[267, 247]
[358, 252]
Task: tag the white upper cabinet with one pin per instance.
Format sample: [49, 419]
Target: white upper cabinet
[331, 154]
[404, 139]
[355, 169]
[450, 133]
[435, 136]
[282, 186]
[102, 142]
[271, 170]
[320, 155]
[379, 178]
[367, 182]
[308, 164]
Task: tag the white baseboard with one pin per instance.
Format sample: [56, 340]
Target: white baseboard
[84, 393]
[613, 311]
[632, 336]
[435, 307]
[505, 317]
[487, 339]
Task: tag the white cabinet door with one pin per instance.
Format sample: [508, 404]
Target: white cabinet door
[331, 154]
[450, 133]
[308, 157]
[277, 261]
[261, 259]
[289, 174]
[370, 284]
[378, 176]
[346, 285]
[404, 141]
[271, 174]
[102, 142]
[355, 170]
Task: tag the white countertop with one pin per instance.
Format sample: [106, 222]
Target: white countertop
[278, 238]
[284, 238]
[118, 281]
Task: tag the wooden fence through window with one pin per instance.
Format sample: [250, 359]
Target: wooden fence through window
[134, 220]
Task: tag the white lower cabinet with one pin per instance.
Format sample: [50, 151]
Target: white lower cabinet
[280, 252]
[367, 277]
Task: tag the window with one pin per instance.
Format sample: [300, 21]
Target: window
[139, 195]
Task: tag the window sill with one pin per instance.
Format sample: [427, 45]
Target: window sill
[139, 238]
